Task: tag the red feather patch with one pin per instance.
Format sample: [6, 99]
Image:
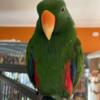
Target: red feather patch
[68, 81]
[36, 79]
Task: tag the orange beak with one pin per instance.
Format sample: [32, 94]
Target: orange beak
[48, 23]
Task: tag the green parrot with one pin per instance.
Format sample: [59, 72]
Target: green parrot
[54, 57]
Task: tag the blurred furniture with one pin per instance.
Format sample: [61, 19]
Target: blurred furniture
[14, 82]
[13, 90]
[94, 78]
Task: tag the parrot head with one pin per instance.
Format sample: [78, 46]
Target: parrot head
[54, 17]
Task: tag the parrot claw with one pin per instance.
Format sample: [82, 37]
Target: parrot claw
[48, 98]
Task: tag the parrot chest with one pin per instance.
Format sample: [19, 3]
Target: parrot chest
[51, 75]
[50, 60]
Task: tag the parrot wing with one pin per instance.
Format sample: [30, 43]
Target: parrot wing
[74, 68]
[77, 63]
[31, 68]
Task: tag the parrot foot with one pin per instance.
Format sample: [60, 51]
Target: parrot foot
[48, 98]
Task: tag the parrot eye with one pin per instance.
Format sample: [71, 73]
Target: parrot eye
[62, 9]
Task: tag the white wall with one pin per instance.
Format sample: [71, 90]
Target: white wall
[22, 12]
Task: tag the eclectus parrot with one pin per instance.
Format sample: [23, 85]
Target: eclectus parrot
[54, 56]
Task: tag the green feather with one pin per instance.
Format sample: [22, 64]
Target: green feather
[79, 61]
[51, 56]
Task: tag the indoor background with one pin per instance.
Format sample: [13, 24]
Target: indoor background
[17, 24]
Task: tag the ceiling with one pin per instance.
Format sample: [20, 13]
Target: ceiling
[86, 13]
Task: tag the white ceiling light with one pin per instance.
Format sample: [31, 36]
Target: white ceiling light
[95, 34]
